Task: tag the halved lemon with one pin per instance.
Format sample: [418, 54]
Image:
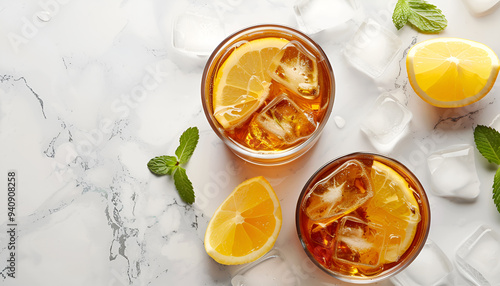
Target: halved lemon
[246, 225]
[242, 83]
[451, 72]
[394, 207]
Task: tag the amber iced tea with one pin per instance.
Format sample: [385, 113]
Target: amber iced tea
[267, 92]
[363, 217]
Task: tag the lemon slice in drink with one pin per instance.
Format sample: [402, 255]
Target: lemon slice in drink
[242, 83]
[246, 225]
[394, 207]
[451, 72]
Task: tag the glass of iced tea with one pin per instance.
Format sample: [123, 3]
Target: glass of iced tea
[363, 217]
[267, 91]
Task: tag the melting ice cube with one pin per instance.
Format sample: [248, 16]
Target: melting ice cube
[481, 7]
[343, 191]
[359, 242]
[197, 32]
[453, 172]
[297, 69]
[280, 124]
[387, 123]
[314, 16]
[372, 48]
[478, 258]
[495, 124]
[431, 268]
[270, 270]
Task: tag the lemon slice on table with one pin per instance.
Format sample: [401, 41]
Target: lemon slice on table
[242, 82]
[246, 225]
[451, 72]
[394, 207]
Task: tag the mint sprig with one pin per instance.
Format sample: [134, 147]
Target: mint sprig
[487, 141]
[171, 165]
[425, 17]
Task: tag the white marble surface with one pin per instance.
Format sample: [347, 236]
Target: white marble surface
[92, 90]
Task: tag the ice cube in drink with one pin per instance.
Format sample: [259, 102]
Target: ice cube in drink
[343, 191]
[323, 233]
[359, 242]
[282, 123]
[297, 69]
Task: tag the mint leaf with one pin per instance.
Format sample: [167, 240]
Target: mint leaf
[183, 185]
[426, 17]
[188, 141]
[162, 165]
[401, 14]
[170, 165]
[496, 190]
[487, 142]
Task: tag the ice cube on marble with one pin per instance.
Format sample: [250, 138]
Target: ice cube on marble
[270, 270]
[297, 69]
[281, 123]
[431, 268]
[359, 242]
[495, 123]
[453, 172]
[314, 16]
[481, 7]
[341, 192]
[197, 33]
[478, 258]
[387, 122]
[372, 48]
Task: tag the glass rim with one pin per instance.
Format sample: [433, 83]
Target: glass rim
[407, 260]
[265, 157]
